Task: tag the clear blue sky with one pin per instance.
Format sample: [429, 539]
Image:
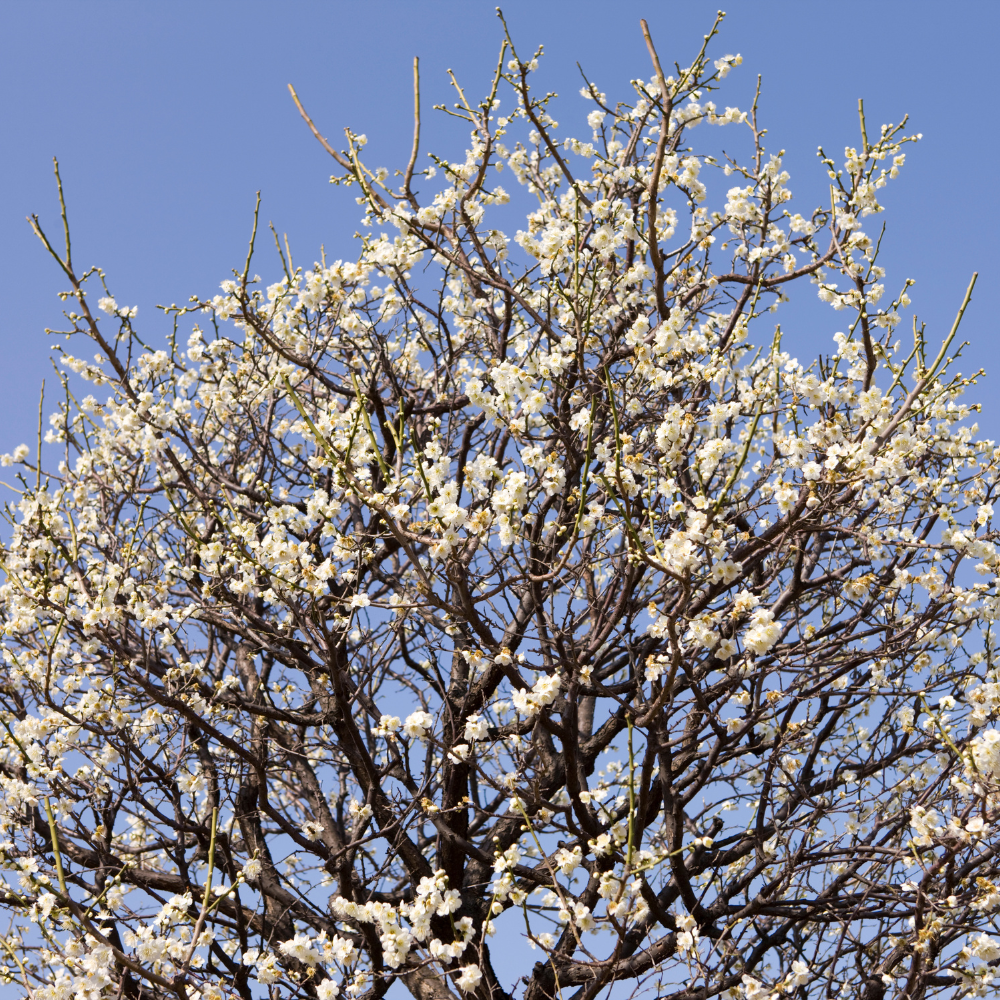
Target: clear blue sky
[168, 117]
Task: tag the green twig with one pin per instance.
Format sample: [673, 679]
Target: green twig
[55, 847]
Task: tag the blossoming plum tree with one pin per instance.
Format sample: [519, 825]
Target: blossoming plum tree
[489, 594]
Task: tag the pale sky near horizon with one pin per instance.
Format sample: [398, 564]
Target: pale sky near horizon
[168, 117]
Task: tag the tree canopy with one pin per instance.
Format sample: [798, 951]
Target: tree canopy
[513, 616]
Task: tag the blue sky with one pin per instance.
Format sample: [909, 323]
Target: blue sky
[168, 117]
